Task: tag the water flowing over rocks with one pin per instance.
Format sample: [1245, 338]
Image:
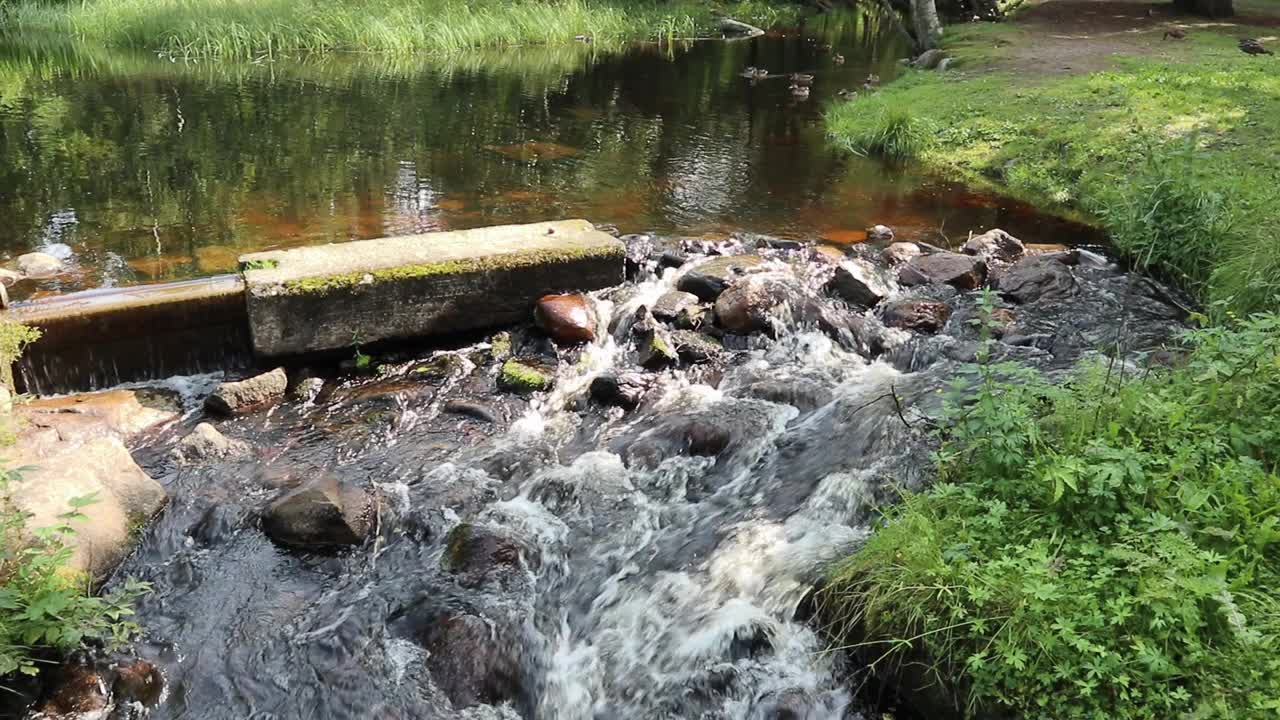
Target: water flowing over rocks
[859, 283]
[206, 443]
[611, 541]
[901, 252]
[255, 393]
[39, 265]
[566, 318]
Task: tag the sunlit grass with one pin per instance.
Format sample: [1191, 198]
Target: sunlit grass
[254, 28]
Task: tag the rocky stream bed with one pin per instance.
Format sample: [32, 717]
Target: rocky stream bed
[611, 512]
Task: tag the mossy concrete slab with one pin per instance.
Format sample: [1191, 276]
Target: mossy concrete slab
[330, 297]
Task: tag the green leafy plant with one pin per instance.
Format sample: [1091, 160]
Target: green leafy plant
[44, 605]
[877, 128]
[1105, 549]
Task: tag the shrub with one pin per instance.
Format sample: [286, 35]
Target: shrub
[1105, 549]
[891, 132]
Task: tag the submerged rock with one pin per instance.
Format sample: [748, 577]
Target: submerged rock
[695, 348]
[473, 410]
[39, 265]
[996, 245]
[708, 279]
[525, 375]
[1038, 277]
[901, 252]
[255, 393]
[476, 554]
[206, 443]
[469, 662]
[137, 681]
[926, 316]
[963, 272]
[856, 282]
[322, 514]
[624, 390]
[568, 319]
[78, 689]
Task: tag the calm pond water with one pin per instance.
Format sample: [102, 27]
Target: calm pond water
[137, 169]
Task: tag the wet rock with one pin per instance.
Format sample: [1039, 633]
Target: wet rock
[926, 316]
[1001, 320]
[802, 394]
[307, 389]
[856, 282]
[78, 690]
[755, 303]
[880, 233]
[853, 331]
[996, 245]
[322, 514]
[9, 277]
[137, 681]
[39, 265]
[524, 375]
[206, 443]
[638, 248]
[693, 318]
[624, 390]
[670, 305]
[828, 254]
[475, 554]
[473, 410]
[963, 272]
[568, 319]
[796, 704]
[218, 523]
[708, 279]
[901, 252]
[695, 348]
[255, 393]
[1039, 277]
[500, 346]
[656, 351]
[468, 661]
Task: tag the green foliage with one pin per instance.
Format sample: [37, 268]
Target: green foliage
[1107, 549]
[248, 30]
[1176, 153]
[14, 338]
[889, 131]
[44, 605]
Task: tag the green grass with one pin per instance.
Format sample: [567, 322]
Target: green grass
[1178, 158]
[248, 29]
[1106, 550]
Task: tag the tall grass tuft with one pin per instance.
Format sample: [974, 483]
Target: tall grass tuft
[878, 129]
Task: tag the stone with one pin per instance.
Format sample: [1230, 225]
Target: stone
[756, 303]
[639, 248]
[670, 305]
[656, 351]
[857, 282]
[244, 396]
[880, 234]
[1039, 277]
[1001, 320]
[853, 331]
[307, 389]
[624, 390]
[693, 318]
[525, 375]
[467, 662]
[477, 554]
[78, 418]
[995, 245]
[926, 316]
[206, 443]
[77, 690]
[473, 410]
[566, 318]
[711, 277]
[963, 272]
[126, 498]
[323, 297]
[137, 681]
[900, 252]
[929, 59]
[800, 393]
[9, 277]
[322, 514]
[695, 348]
[39, 265]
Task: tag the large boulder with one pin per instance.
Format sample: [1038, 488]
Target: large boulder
[478, 554]
[709, 278]
[206, 443]
[963, 272]
[322, 514]
[901, 252]
[757, 302]
[39, 265]
[926, 316]
[244, 396]
[859, 283]
[1038, 277]
[567, 318]
[996, 245]
[470, 661]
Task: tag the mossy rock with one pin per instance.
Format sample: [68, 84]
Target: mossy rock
[524, 376]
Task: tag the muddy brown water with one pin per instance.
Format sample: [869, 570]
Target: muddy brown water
[137, 169]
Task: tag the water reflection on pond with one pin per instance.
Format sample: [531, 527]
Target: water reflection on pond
[139, 169]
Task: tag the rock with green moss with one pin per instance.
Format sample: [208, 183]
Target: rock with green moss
[525, 375]
[478, 554]
[500, 346]
[656, 351]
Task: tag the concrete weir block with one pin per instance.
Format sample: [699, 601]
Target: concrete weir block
[330, 297]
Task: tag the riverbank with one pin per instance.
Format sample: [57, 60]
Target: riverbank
[240, 29]
[1170, 144]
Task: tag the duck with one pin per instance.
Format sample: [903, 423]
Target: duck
[802, 79]
[761, 74]
[872, 79]
[1253, 47]
[837, 59]
[750, 72]
[800, 92]
[1175, 34]
[847, 94]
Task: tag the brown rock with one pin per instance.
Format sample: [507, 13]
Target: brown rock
[926, 316]
[467, 662]
[476, 554]
[962, 272]
[77, 690]
[255, 393]
[567, 318]
[1038, 277]
[856, 282]
[39, 265]
[996, 245]
[754, 303]
[901, 252]
[670, 305]
[206, 443]
[1001, 320]
[710, 278]
[324, 513]
[880, 233]
[137, 681]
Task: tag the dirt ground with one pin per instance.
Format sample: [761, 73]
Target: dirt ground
[1077, 36]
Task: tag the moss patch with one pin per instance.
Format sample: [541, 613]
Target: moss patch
[521, 376]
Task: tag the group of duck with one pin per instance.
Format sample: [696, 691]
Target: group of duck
[1247, 45]
[802, 83]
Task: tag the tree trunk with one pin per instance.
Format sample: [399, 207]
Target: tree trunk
[924, 16]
